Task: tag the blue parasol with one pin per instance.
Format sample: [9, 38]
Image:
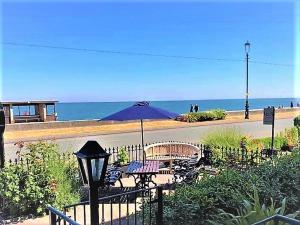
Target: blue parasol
[141, 111]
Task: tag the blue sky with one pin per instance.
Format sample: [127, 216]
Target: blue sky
[209, 30]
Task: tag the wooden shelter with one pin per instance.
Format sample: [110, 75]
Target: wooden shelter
[30, 111]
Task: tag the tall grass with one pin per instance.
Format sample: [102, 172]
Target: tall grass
[226, 137]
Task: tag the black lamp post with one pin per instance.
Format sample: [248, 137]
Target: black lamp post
[247, 50]
[2, 128]
[93, 161]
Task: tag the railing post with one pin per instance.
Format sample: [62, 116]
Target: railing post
[94, 206]
[159, 216]
[52, 218]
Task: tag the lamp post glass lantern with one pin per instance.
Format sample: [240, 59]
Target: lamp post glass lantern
[93, 161]
[247, 50]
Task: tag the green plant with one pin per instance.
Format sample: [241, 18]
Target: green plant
[225, 137]
[43, 177]
[26, 191]
[276, 179]
[297, 125]
[291, 136]
[297, 121]
[123, 157]
[251, 212]
[217, 114]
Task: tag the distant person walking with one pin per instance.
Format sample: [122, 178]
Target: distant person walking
[192, 108]
[196, 107]
[292, 105]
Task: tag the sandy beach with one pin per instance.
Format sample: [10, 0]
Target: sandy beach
[53, 133]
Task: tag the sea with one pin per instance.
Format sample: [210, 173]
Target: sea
[97, 110]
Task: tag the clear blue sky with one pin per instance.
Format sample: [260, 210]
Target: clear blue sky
[210, 30]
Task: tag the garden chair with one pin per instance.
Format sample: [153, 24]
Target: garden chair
[113, 175]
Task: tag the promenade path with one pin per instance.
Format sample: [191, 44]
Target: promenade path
[187, 134]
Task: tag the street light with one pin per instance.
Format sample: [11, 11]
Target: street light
[247, 50]
[2, 128]
[93, 161]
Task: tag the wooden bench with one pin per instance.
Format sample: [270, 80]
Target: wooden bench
[26, 119]
[169, 151]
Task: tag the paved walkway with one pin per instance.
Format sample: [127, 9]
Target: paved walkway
[186, 134]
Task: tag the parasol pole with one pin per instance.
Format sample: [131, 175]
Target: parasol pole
[142, 128]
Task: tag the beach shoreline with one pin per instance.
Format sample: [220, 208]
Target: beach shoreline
[92, 128]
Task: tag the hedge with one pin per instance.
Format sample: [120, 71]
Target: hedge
[297, 121]
[216, 114]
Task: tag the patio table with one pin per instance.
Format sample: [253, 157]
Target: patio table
[143, 174]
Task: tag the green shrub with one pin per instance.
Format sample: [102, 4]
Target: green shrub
[291, 136]
[252, 211]
[297, 121]
[123, 157]
[200, 202]
[217, 114]
[25, 191]
[43, 178]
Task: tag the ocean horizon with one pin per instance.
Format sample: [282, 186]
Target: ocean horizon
[96, 110]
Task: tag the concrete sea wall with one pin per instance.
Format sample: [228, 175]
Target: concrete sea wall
[83, 123]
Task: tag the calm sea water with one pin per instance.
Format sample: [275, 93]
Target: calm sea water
[98, 110]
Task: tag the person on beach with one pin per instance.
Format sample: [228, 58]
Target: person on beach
[196, 108]
[292, 105]
[191, 109]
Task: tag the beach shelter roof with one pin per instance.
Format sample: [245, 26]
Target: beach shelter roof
[141, 111]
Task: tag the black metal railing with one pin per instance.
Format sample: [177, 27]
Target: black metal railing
[57, 217]
[278, 218]
[139, 207]
[211, 153]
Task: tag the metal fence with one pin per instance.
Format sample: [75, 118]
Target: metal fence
[277, 219]
[138, 207]
[214, 155]
[57, 217]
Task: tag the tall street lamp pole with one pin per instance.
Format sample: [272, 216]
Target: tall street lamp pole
[2, 128]
[247, 50]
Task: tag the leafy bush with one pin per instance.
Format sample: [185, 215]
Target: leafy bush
[297, 121]
[42, 178]
[200, 202]
[25, 191]
[251, 212]
[217, 114]
[123, 157]
[291, 136]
